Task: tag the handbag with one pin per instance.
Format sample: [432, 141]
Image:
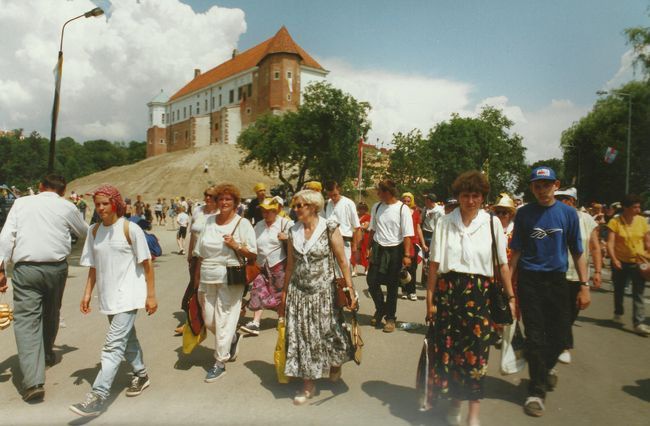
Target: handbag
[280, 354]
[236, 275]
[644, 267]
[423, 378]
[342, 296]
[191, 340]
[497, 299]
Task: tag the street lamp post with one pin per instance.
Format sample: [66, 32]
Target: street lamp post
[57, 87]
[629, 133]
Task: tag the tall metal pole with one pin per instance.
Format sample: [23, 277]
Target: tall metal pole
[629, 140]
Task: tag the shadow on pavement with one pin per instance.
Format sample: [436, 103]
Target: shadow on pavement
[607, 323]
[200, 357]
[641, 390]
[10, 368]
[496, 388]
[266, 373]
[402, 402]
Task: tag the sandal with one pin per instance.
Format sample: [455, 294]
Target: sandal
[303, 396]
[534, 406]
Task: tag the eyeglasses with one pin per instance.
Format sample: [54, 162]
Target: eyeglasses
[299, 206]
[501, 212]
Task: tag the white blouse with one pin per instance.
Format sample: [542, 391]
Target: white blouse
[467, 249]
[269, 248]
[215, 254]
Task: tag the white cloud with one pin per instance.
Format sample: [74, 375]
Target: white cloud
[112, 66]
[625, 72]
[401, 102]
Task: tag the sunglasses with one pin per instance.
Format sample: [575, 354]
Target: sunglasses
[501, 212]
[299, 206]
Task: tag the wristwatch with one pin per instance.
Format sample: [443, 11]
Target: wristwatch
[586, 284]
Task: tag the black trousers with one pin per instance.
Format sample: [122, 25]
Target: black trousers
[544, 309]
[385, 266]
[574, 289]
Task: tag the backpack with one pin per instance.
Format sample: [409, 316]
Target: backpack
[126, 231]
[154, 245]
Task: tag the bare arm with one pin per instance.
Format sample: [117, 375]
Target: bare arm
[431, 287]
[408, 252]
[584, 296]
[514, 262]
[151, 304]
[611, 237]
[88, 292]
[646, 241]
[596, 255]
[339, 253]
[287, 277]
[418, 232]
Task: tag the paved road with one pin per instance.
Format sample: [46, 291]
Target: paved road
[608, 383]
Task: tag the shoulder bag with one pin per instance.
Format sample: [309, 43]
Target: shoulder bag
[236, 275]
[342, 296]
[497, 298]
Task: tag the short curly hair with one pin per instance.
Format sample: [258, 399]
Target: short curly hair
[471, 181]
[227, 189]
[310, 197]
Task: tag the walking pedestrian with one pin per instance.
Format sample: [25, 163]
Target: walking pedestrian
[344, 211]
[117, 253]
[591, 246]
[317, 344]
[158, 211]
[544, 233]
[628, 243]
[364, 221]
[227, 241]
[417, 242]
[183, 221]
[254, 213]
[391, 230]
[457, 301]
[36, 238]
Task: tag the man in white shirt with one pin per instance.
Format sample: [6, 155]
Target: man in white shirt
[344, 211]
[36, 239]
[183, 220]
[391, 229]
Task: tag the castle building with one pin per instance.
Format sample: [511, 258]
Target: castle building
[215, 106]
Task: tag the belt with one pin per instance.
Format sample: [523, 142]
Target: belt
[54, 263]
[348, 239]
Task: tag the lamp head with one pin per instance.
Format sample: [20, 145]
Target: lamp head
[98, 11]
[602, 92]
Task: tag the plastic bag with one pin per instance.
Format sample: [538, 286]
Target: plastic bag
[512, 360]
[280, 354]
[191, 340]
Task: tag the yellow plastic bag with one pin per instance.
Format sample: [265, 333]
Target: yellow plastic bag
[190, 340]
[280, 354]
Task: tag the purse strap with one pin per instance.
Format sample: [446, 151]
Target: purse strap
[232, 234]
[329, 244]
[495, 256]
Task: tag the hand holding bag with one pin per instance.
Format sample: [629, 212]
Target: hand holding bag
[236, 275]
[280, 354]
[342, 297]
[498, 300]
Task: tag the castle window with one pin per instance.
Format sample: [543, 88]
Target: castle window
[186, 134]
[289, 74]
[163, 118]
[198, 108]
[289, 97]
[220, 98]
[206, 105]
[248, 111]
[162, 141]
[239, 93]
[276, 75]
[231, 96]
[184, 112]
[249, 89]
[216, 126]
[190, 110]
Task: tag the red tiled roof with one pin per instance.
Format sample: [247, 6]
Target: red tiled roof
[281, 42]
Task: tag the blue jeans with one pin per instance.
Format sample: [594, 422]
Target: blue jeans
[121, 342]
[629, 272]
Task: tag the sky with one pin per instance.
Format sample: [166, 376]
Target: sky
[415, 62]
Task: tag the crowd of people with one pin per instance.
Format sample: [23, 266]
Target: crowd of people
[290, 259]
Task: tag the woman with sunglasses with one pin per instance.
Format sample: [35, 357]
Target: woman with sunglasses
[225, 241]
[317, 344]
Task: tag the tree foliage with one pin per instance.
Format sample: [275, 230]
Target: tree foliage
[319, 141]
[24, 160]
[639, 38]
[409, 164]
[606, 125]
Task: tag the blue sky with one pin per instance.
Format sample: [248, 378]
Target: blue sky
[532, 51]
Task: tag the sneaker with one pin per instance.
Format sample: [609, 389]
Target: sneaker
[642, 330]
[405, 296]
[551, 380]
[91, 407]
[35, 393]
[182, 252]
[534, 406]
[234, 347]
[413, 297]
[138, 384]
[565, 357]
[618, 319]
[389, 327]
[375, 321]
[215, 373]
[251, 328]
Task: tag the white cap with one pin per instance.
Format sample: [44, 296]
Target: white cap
[569, 192]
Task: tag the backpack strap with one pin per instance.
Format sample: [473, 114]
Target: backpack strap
[126, 231]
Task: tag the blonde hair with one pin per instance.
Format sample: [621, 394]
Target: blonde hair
[310, 197]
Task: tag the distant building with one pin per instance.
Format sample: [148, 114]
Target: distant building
[215, 106]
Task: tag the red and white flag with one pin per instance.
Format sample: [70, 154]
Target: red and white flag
[610, 155]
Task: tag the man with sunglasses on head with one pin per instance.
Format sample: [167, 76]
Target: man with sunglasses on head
[391, 229]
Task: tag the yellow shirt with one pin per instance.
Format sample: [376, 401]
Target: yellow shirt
[629, 240]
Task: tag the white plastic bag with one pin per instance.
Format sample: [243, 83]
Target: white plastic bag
[510, 363]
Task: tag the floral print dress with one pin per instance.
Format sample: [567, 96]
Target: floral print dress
[315, 337]
[462, 342]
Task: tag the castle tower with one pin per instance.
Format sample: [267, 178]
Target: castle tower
[157, 134]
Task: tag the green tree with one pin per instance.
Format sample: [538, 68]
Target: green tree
[319, 141]
[409, 165]
[606, 125]
[639, 38]
[484, 143]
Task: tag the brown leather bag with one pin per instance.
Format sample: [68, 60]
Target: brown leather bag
[644, 267]
[342, 297]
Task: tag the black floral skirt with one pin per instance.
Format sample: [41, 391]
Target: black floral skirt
[462, 338]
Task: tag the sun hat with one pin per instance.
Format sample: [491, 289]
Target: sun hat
[314, 185]
[505, 202]
[259, 187]
[569, 192]
[270, 204]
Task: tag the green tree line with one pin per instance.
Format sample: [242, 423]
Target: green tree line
[23, 160]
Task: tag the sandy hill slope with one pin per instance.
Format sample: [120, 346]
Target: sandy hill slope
[178, 174]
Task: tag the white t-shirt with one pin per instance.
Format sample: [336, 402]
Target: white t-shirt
[269, 248]
[388, 220]
[345, 213]
[199, 218]
[431, 216]
[587, 225]
[447, 249]
[121, 284]
[183, 219]
[158, 207]
[215, 254]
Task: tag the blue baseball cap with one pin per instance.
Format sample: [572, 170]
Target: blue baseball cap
[543, 173]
